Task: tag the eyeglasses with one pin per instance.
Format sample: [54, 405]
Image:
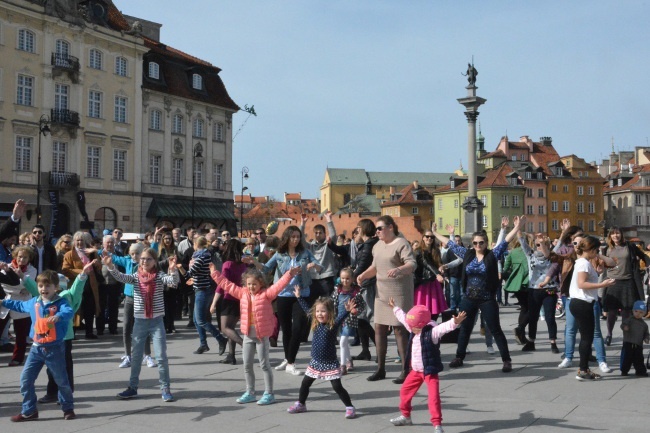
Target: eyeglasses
[478, 243]
[117, 232]
[380, 228]
[259, 233]
[66, 242]
[37, 232]
[427, 237]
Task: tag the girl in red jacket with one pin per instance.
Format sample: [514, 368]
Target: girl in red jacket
[257, 323]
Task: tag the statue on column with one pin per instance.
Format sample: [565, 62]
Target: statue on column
[471, 74]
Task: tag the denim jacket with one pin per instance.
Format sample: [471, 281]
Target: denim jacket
[281, 262]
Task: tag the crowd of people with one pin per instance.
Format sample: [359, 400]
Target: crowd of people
[343, 291]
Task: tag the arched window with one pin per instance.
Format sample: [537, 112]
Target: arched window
[155, 120]
[198, 128]
[26, 41]
[95, 59]
[197, 82]
[62, 48]
[154, 70]
[105, 218]
[177, 125]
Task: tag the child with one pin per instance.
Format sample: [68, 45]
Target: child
[257, 323]
[635, 332]
[323, 364]
[423, 359]
[344, 292]
[148, 310]
[50, 316]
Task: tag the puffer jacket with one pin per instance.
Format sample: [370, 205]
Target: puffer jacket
[260, 303]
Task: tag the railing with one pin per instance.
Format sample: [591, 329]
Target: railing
[64, 116]
[65, 61]
[64, 178]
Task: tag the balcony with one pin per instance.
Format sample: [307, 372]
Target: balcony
[62, 179]
[64, 63]
[62, 116]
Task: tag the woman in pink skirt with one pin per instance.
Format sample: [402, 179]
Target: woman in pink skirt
[428, 280]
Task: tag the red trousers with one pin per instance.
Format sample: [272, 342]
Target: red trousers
[21, 328]
[410, 388]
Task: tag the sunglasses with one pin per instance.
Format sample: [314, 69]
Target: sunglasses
[380, 228]
[117, 232]
[224, 235]
[478, 243]
[427, 237]
[37, 232]
[66, 242]
[259, 233]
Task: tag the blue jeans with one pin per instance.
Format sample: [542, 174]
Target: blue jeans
[54, 358]
[571, 327]
[202, 302]
[154, 329]
[454, 283]
[490, 313]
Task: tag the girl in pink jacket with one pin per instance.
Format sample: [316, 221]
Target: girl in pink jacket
[257, 323]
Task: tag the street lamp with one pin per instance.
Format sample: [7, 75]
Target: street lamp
[196, 153]
[244, 175]
[44, 129]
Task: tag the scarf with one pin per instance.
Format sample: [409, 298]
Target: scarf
[82, 255]
[147, 281]
[14, 265]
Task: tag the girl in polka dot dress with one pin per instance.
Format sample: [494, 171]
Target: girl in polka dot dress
[324, 363]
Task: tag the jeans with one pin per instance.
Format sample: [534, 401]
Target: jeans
[570, 333]
[583, 312]
[202, 302]
[251, 345]
[52, 387]
[142, 330]
[490, 313]
[454, 283]
[127, 329]
[53, 357]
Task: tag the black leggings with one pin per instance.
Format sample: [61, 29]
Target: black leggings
[538, 299]
[292, 321]
[583, 312]
[336, 386]
[522, 298]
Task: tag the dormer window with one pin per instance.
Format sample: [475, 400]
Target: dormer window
[611, 183]
[620, 181]
[540, 175]
[154, 70]
[197, 82]
[529, 175]
[453, 183]
[558, 171]
[514, 157]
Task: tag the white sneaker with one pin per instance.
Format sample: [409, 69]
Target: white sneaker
[126, 362]
[291, 369]
[566, 363]
[490, 350]
[604, 368]
[282, 365]
[151, 363]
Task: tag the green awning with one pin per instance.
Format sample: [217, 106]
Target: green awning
[182, 208]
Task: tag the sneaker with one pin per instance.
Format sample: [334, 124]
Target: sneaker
[566, 363]
[48, 398]
[291, 369]
[69, 414]
[349, 365]
[167, 396]
[587, 375]
[266, 399]
[438, 428]
[22, 417]
[350, 412]
[282, 366]
[246, 397]
[126, 361]
[297, 407]
[604, 368]
[151, 363]
[127, 394]
[455, 363]
[398, 360]
[490, 350]
[401, 420]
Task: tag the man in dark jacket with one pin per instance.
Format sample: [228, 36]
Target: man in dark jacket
[44, 252]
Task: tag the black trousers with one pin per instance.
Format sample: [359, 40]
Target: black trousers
[336, 386]
[583, 312]
[293, 322]
[632, 355]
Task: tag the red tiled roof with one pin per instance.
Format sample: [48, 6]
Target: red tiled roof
[517, 145]
[292, 196]
[630, 183]
[496, 153]
[115, 17]
[408, 196]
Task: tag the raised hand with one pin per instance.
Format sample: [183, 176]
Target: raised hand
[172, 262]
[19, 209]
[89, 267]
[107, 259]
[328, 216]
[296, 290]
[505, 222]
[350, 305]
[566, 223]
[450, 229]
[434, 227]
[295, 271]
[460, 317]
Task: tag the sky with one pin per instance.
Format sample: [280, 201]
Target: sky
[374, 84]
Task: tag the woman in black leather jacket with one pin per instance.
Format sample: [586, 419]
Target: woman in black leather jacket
[365, 241]
[429, 283]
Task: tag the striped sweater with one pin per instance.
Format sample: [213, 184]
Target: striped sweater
[200, 270]
[162, 279]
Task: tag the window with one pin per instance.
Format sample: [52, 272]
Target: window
[646, 181]
[197, 178]
[218, 177]
[558, 171]
[414, 210]
[637, 199]
[554, 206]
[485, 221]
[514, 181]
[439, 204]
[529, 209]
[554, 188]
[58, 156]
[24, 153]
[154, 168]
[198, 128]
[483, 200]
[177, 172]
[531, 227]
[95, 59]
[62, 49]
[456, 222]
[590, 190]
[120, 109]
[565, 188]
[638, 220]
[93, 162]
[528, 175]
[439, 222]
[580, 207]
[565, 206]
[541, 227]
[155, 119]
[456, 203]
[94, 104]
[581, 190]
[540, 175]
[119, 164]
[504, 201]
[592, 207]
[154, 70]
[554, 225]
[61, 94]
[592, 225]
[25, 90]
[217, 133]
[197, 81]
[581, 224]
[515, 201]
[121, 66]
[177, 124]
[540, 193]
[529, 192]
[514, 157]
[26, 41]
[541, 210]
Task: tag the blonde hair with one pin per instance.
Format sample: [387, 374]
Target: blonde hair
[329, 306]
[23, 249]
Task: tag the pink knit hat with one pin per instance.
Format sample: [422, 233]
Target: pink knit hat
[418, 316]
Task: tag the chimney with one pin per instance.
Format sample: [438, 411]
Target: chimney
[545, 141]
[528, 141]
[391, 190]
[416, 186]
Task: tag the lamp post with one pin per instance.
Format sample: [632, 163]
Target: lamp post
[44, 129]
[196, 153]
[244, 175]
